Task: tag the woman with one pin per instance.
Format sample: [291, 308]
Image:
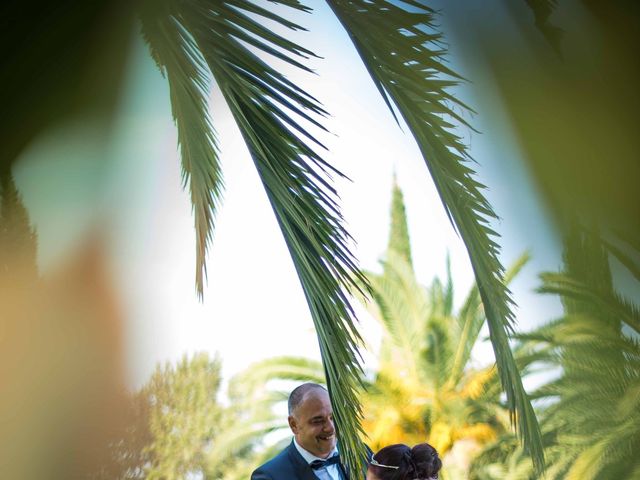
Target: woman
[400, 462]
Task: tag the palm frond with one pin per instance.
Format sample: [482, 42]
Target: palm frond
[438, 355]
[402, 304]
[595, 411]
[404, 56]
[179, 59]
[241, 435]
[616, 305]
[271, 113]
[624, 258]
[277, 368]
[472, 318]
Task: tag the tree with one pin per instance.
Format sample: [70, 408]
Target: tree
[425, 388]
[170, 424]
[184, 415]
[178, 426]
[589, 413]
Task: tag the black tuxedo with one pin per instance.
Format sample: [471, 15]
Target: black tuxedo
[289, 465]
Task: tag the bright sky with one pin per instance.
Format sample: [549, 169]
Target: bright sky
[253, 306]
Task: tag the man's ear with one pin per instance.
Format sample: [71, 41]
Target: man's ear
[292, 424]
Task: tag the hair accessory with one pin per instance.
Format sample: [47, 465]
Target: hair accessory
[375, 462]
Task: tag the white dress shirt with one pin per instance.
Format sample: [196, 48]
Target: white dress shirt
[332, 472]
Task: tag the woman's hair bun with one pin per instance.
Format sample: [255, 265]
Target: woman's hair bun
[426, 461]
[408, 464]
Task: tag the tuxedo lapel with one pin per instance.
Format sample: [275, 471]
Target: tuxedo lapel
[300, 465]
[305, 472]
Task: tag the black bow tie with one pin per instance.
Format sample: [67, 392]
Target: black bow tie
[318, 464]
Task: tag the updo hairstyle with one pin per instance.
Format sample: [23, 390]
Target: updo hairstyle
[418, 463]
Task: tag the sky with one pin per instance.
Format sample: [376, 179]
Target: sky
[129, 186]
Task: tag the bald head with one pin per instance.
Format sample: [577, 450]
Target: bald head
[297, 395]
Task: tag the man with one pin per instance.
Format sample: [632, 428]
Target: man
[313, 452]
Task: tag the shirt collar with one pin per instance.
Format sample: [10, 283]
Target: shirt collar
[310, 457]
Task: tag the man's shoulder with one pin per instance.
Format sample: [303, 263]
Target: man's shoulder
[277, 467]
[279, 459]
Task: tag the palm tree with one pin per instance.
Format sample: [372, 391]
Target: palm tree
[425, 387]
[195, 42]
[589, 416]
[169, 423]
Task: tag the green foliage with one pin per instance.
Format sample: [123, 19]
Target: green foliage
[196, 42]
[172, 48]
[171, 424]
[176, 427]
[563, 130]
[425, 388]
[235, 45]
[184, 416]
[399, 232]
[591, 413]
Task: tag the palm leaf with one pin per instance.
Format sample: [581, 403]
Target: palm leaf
[439, 350]
[595, 413]
[472, 318]
[404, 56]
[280, 368]
[241, 435]
[179, 59]
[618, 307]
[274, 116]
[626, 260]
[402, 306]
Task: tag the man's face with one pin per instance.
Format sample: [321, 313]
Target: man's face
[312, 424]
